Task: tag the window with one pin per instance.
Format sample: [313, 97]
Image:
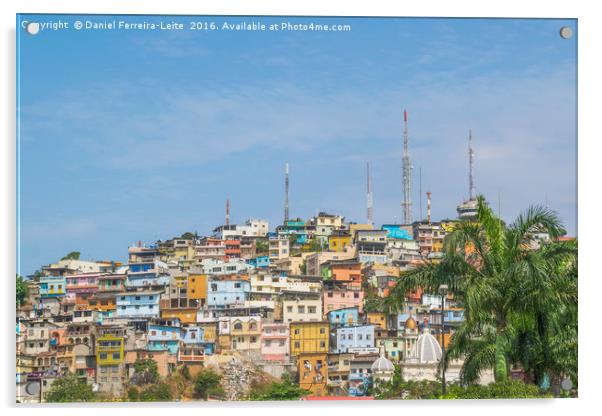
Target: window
[268, 343]
[289, 309]
[103, 355]
[311, 309]
[237, 285]
[301, 309]
[281, 343]
[297, 331]
[297, 344]
[116, 356]
[253, 339]
[238, 326]
[329, 294]
[322, 330]
[322, 344]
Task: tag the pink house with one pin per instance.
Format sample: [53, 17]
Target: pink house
[341, 297]
[81, 286]
[275, 342]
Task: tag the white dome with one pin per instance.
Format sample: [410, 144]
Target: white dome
[382, 365]
[426, 349]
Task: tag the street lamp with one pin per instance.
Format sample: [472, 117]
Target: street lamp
[443, 292]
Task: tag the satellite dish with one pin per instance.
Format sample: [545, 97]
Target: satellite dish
[33, 388]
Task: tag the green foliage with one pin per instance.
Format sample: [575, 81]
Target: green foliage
[520, 297]
[189, 236]
[69, 389]
[398, 388]
[205, 383]
[36, 275]
[261, 246]
[507, 389]
[315, 245]
[74, 255]
[22, 290]
[372, 304]
[160, 392]
[146, 371]
[133, 395]
[303, 267]
[186, 373]
[283, 390]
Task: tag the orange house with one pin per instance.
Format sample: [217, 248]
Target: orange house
[185, 315]
[197, 288]
[347, 271]
[313, 373]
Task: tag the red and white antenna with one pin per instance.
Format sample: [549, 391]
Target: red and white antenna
[228, 211]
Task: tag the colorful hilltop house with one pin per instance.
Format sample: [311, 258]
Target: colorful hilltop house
[293, 300]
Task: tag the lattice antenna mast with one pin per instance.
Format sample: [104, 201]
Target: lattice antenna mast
[369, 202]
[471, 187]
[286, 217]
[407, 174]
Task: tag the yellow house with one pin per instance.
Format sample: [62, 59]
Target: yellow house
[109, 350]
[197, 287]
[103, 301]
[309, 337]
[354, 228]
[378, 318]
[313, 373]
[210, 331]
[185, 315]
[339, 242]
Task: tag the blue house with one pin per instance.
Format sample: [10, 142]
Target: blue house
[147, 273]
[195, 336]
[260, 262]
[359, 336]
[52, 286]
[138, 304]
[227, 293]
[343, 317]
[396, 231]
[163, 338]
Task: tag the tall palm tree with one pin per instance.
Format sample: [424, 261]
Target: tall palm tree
[506, 284]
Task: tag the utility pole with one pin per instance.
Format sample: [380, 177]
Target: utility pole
[420, 192]
[369, 202]
[407, 174]
[471, 187]
[228, 211]
[286, 217]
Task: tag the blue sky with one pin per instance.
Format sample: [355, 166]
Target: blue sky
[128, 136]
